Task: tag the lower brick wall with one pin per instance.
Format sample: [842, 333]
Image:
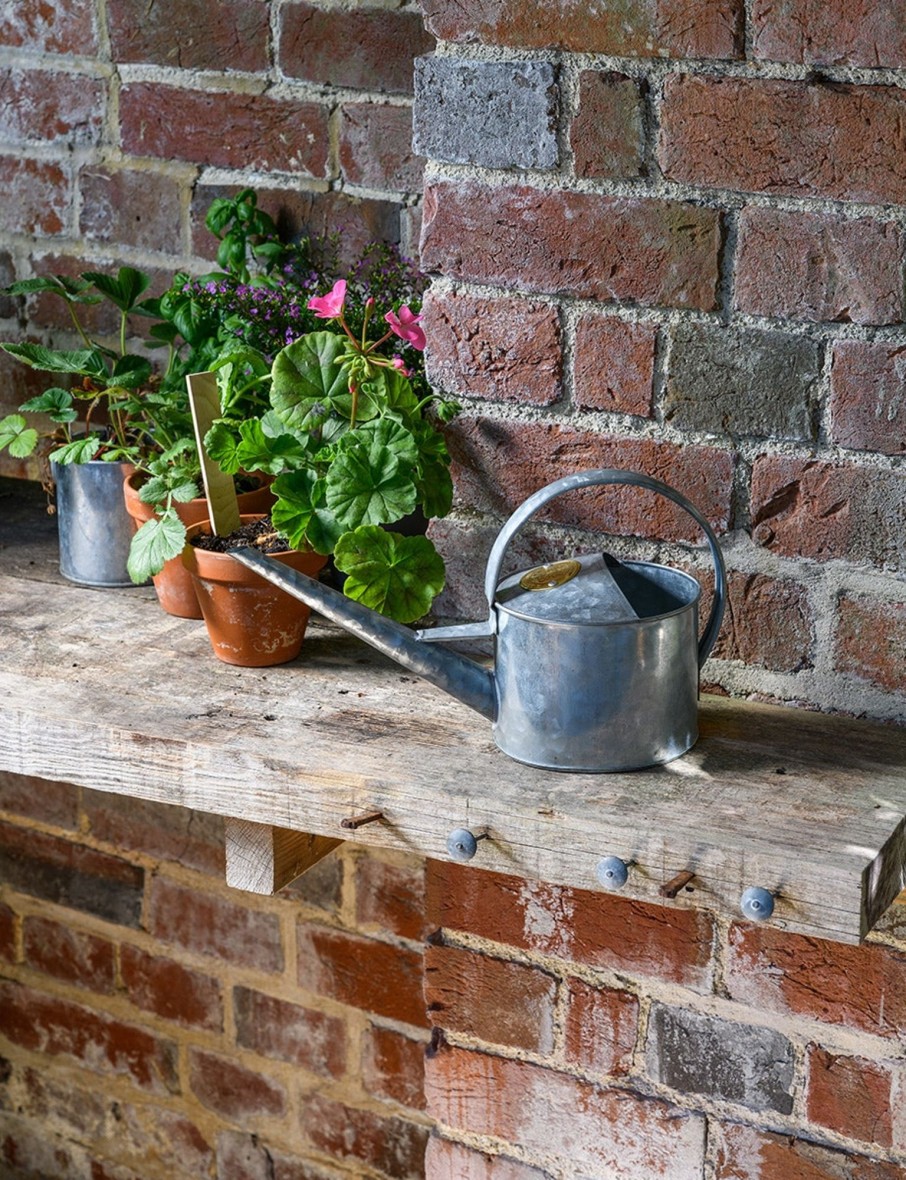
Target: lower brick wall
[155, 1024]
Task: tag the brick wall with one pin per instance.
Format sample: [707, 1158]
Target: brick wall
[670, 240]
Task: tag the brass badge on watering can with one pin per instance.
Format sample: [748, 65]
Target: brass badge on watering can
[546, 577]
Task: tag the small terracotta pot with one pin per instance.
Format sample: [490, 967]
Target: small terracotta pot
[174, 587]
[250, 621]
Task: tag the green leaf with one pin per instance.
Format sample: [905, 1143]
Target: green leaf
[80, 450]
[18, 436]
[125, 290]
[56, 403]
[154, 544]
[85, 362]
[222, 444]
[306, 374]
[367, 485]
[71, 289]
[274, 454]
[298, 494]
[131, 372]
[398, 576]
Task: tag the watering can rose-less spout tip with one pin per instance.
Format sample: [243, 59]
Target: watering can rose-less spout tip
[622, 637]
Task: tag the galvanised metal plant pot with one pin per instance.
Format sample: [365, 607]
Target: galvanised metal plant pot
[94, 527]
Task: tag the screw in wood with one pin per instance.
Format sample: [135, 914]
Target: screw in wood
[359, 821]
[672, 887]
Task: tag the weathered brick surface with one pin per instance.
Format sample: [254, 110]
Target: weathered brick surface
[233, 1091]
[858, 987]
[768, 622]
[809, 266]
[643, 28]
[607, 133]
[830, 32]
[695, 1053]
[393, 1066]
[39, 196]
[598, 1131]
[780, 137]
[288, 1032]
[130, 208]
[7, 933]
[870, 640]
[495, 114]
[50, 108]
[193, 839]
[867, 407]
[500, 464]
[445, 1159]
[742, 382]
[171, 990]
[745, 1153]
[851, 1096]
[39, 798]
[366, 50]
[609, 248]
[391, 896]
[67, 26]
[600, 930]
[601, 1027]
[499, 349]
[390, 1144]
[376, 149]
[496, 1000]
[71, 955]
[265, 133]
[825, 510]
[614, 365]
[320, 886]
[191, 35]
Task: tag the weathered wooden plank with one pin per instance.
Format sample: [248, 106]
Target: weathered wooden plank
[262, 859]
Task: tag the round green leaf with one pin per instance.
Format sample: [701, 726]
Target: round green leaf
[154, 544]
[306, 374]
[368, 485]
[398, 576]
[18, 436]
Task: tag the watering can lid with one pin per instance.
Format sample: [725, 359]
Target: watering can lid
[595, 588]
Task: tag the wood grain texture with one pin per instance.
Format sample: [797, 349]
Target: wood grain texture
[204, 401]
[102, 689]
[262, 859]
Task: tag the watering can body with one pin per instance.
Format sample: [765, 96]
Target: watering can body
[596, 661]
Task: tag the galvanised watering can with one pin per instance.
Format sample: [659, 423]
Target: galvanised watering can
[596, 660]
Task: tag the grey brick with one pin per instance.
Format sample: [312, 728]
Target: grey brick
[705, 1055]
[494, 114]
[742, 382]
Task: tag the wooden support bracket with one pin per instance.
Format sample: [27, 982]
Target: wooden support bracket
[263, 859]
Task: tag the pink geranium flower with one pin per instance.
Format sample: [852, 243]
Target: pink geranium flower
[405, 325]
[329, 306]
[400, 364]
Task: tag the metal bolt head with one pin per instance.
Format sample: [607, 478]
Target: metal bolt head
[612, 872]
[461, 844]
[757, 904]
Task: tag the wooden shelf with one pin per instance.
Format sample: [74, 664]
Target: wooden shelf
[101, 688]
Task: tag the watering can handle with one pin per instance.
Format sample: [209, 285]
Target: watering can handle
[585, 479]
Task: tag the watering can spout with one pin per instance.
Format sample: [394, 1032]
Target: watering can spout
[464, 679]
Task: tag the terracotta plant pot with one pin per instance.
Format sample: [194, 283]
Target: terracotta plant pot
[250, 622]
[174, 587]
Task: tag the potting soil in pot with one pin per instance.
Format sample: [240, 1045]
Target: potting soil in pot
[259, 534]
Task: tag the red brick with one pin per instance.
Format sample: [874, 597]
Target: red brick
[387, 1143]
[614, 365]
[363, 973]
[497, 465]
[364, 50]
[30, 1150]
[376, 148]
[871, 640]
[208, 925]
[657, 253]
[806, 508]
[862, 987]
[746, 1153]
[784, 138]
[495, 1000]
[607, 134]
[38, 196]
[231, 1090]
[170, 990]
[391, 896]
[193, 839]
[40, 106]
[809, 266]
[147, 1135]
[288, 1032]
[598, 1131]
[769, 622]
[851, 1096]
[39, 798]
[190, 34]
[7, 933]
[72, 875]
[867, 407]
[639, 28]
[66, 26]
[601, 1028]
[445, 1160]
[72, 955]
[59, 1028]
[830, 32]
[496, 349]
[601, 930]
[266, 134]
[130, 208]
[393, 1066]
